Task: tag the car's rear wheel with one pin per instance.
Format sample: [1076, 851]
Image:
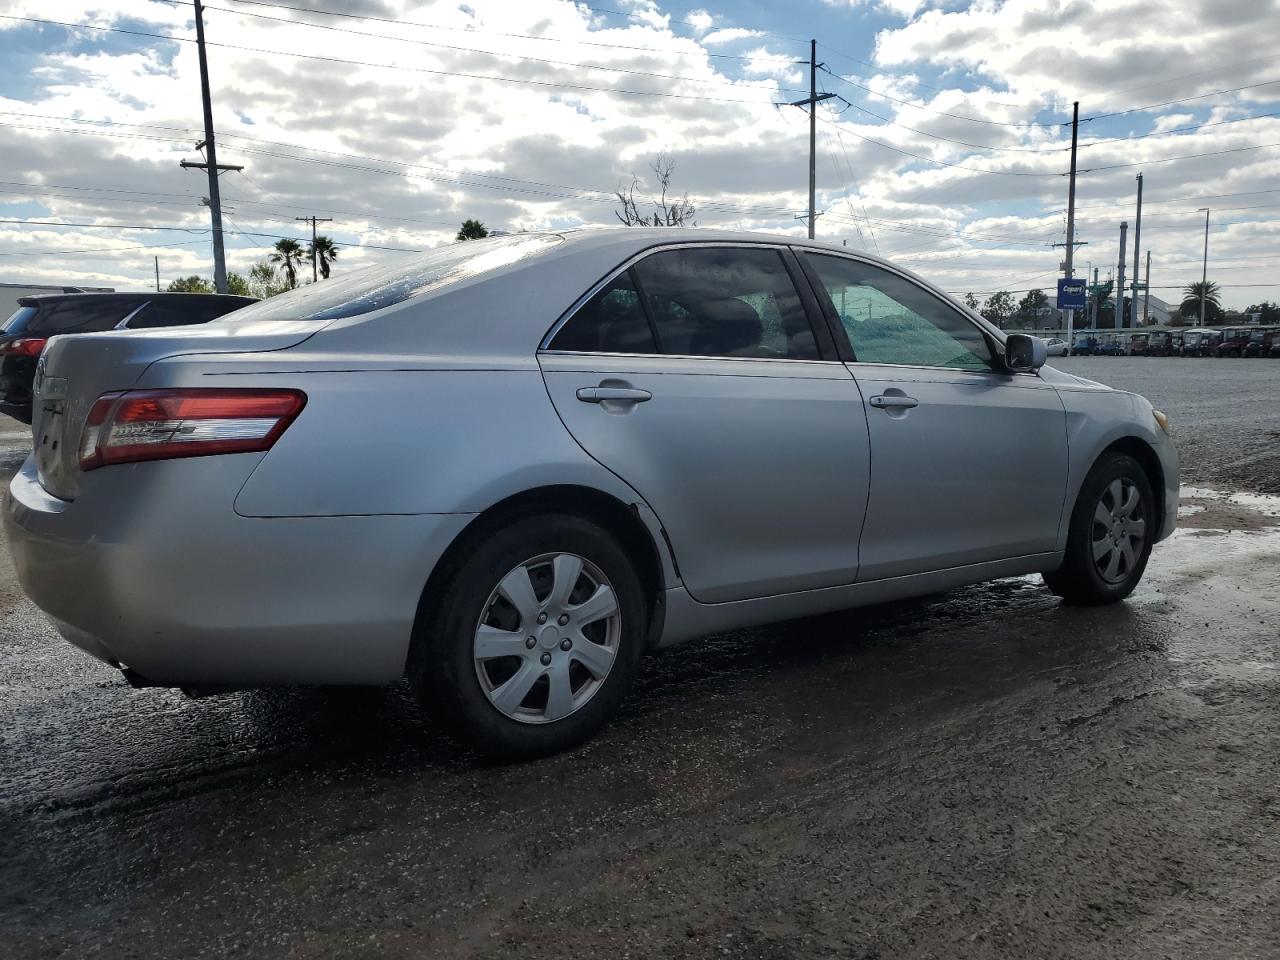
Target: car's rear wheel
[1110, 534]
[534, 638]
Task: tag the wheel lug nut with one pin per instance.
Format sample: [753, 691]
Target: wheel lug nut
[566, 644]
[530, 642]
[542, 618]
[546, 659]
[564, 618]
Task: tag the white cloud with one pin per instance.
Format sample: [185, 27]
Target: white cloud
[399, 156]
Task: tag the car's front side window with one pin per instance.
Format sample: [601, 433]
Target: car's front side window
[889, 319]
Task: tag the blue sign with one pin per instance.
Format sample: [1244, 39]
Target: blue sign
[1071, 294]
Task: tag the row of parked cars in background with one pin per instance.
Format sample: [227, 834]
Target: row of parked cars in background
[1202, 342]
[24, 334]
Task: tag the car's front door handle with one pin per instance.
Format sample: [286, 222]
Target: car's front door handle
[602, 394]
[889, 400]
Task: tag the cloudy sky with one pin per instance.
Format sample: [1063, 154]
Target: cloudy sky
[945, 148]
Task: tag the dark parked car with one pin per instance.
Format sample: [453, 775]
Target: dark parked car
[1163, 344]
[23, 336]
[1259, 342]
[1084, 346]
[1233, 342]
[1200, 343]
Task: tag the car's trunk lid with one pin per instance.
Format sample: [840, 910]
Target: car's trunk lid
[74, 371]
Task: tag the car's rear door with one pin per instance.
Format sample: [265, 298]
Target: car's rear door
[696, 375]
[968, 462]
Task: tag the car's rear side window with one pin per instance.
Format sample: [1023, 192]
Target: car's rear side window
[613, 321]
[700, 302]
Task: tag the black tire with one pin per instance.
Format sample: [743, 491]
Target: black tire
[1079, 580]
[442, 668]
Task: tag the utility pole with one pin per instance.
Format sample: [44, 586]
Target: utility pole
[157, 274]
[1071, 216]
[812, 102]
[212, 165]
[1146, 289]
[1204, 270]
[313, 221]
[1137, 251]
[1093, 320]
[1119, 322]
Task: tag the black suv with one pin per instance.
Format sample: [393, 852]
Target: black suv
[23, 335]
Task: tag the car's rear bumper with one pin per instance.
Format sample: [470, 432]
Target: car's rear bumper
[186, 592]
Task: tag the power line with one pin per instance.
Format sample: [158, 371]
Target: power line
[1165, 133]
[938, 136]
[386, 66]
[516, 36]
[687, 23]
[921, 83]
[943, 113]
[138, 226]
[1188, 156]
[143, 246]
[946, 163]
[1166, 103]
[499, 55]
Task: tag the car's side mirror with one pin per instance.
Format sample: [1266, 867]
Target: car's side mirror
[1024, 354]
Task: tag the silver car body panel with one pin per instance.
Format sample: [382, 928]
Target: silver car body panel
[768, 457]
[306, 564]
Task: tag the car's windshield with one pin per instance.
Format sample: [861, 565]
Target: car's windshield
[396, 280]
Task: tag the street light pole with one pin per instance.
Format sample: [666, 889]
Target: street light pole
[1204, 270]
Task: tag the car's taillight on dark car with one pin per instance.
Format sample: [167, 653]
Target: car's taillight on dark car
[23, 347]
[133, 425]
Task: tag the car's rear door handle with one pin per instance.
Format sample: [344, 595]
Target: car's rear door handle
[886, 401]
[602, 394]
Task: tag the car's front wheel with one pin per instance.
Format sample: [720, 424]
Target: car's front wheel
[534, 639]
[1109, 538]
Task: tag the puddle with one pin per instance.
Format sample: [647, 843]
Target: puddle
[1209, 511]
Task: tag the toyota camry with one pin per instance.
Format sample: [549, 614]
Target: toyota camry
[507, 468]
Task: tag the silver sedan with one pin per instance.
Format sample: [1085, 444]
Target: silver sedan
[507, 468]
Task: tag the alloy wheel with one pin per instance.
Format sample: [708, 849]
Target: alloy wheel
[1119, 530]
[547, 638]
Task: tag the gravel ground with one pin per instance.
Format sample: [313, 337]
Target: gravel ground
[1226, 413]
[984, 774]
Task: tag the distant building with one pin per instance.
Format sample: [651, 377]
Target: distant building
[1158, 312]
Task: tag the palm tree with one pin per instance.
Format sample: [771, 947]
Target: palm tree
[472, 230]
[1193, 294]
[325, 251]
[288, 255]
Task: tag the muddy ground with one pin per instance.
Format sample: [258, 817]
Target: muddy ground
[984, 774]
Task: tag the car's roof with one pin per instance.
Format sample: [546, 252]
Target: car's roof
[125, 297]
[640, 238]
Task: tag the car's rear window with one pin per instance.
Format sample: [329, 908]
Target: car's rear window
[73, 315]
[397, 280]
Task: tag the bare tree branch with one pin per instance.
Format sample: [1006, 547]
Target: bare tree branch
[666, 213]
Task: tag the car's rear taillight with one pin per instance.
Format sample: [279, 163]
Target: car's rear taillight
[23, 347]
[133, 425]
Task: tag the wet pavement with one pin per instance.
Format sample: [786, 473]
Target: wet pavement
[985, 773]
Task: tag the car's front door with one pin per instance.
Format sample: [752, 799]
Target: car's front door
[697, 376]
[968, 462]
